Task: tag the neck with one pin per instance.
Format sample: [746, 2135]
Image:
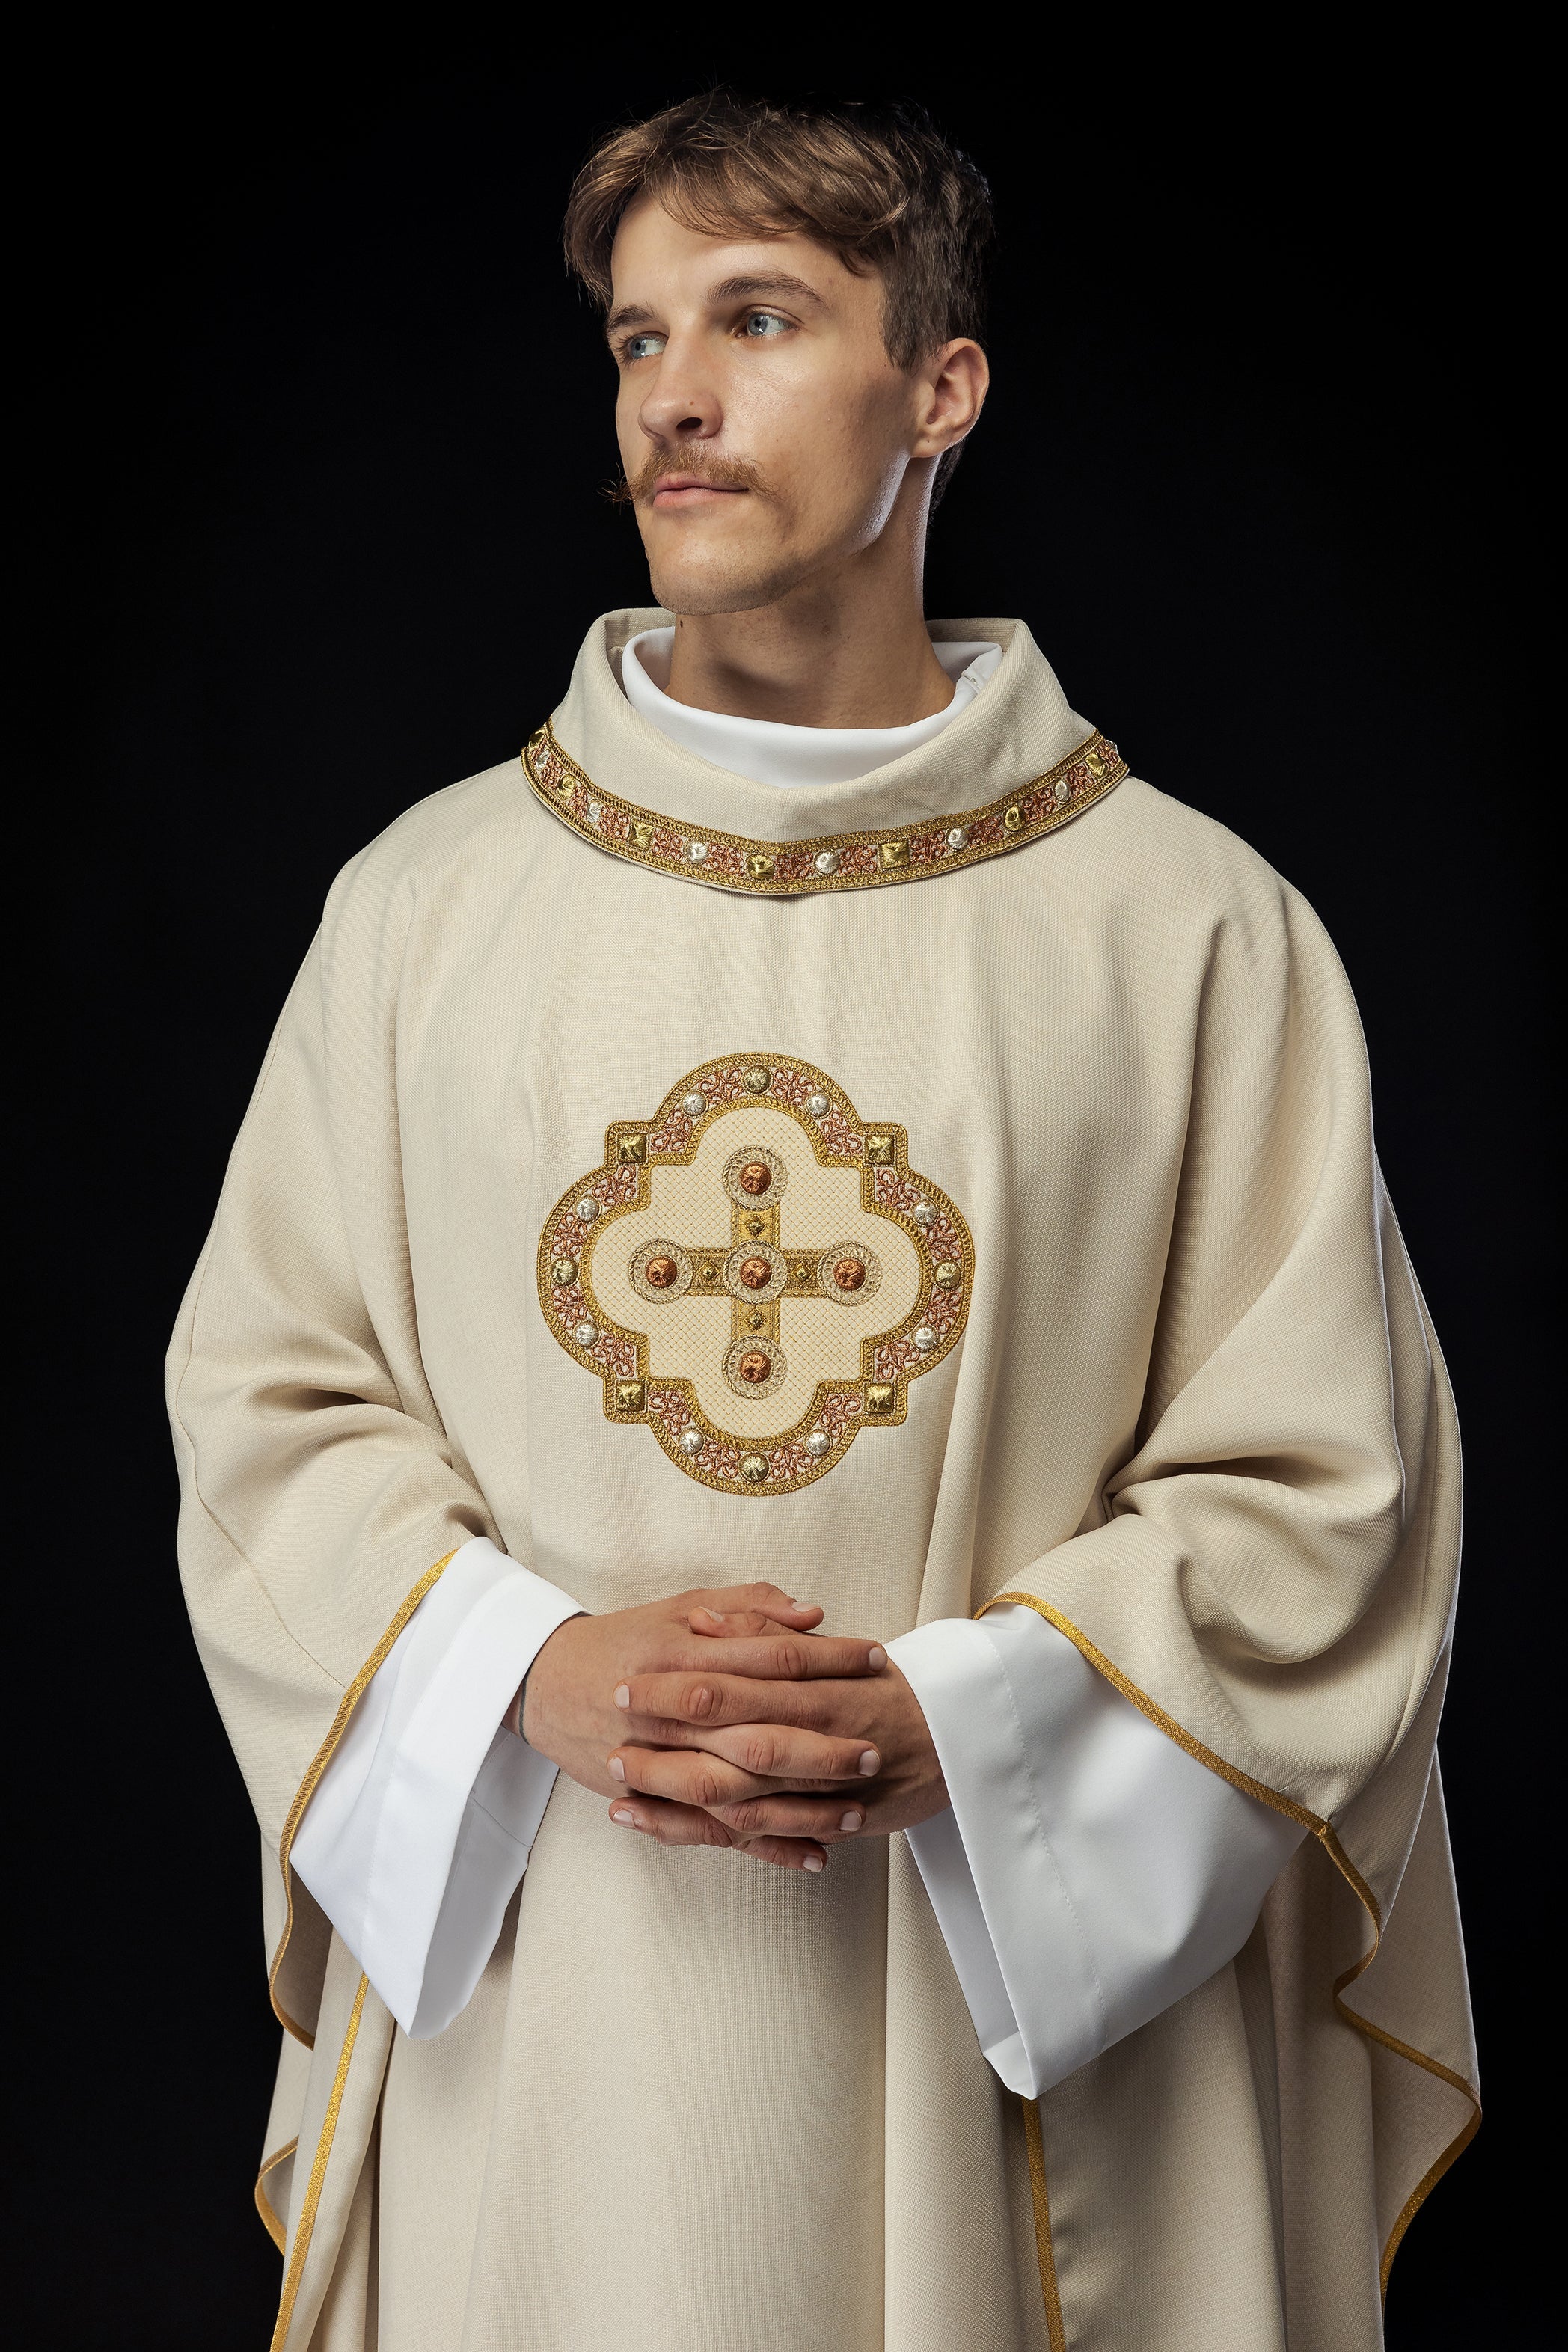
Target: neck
[846, 648]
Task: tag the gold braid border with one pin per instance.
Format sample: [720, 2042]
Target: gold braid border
[1323, 1832]
[834, 861]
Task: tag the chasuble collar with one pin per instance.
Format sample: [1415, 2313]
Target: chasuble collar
[1017, 763]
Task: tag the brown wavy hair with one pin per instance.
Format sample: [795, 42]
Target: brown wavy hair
[880, 187]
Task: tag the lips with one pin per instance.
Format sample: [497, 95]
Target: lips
[691, 486]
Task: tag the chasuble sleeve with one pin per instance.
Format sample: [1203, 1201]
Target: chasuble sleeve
[1268, 1571]
[321, 1497]
[1087, 1873]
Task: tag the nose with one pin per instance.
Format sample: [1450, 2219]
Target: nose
[682, 402]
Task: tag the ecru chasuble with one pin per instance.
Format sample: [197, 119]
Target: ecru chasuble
[1078, 1292]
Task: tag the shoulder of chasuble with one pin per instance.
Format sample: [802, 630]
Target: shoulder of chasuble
[756, 1273]
[839, 861]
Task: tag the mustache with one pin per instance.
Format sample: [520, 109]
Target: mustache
[721, 472]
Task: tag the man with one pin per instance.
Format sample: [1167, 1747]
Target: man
[804, 1344]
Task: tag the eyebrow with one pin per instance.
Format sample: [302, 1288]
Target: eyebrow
[748, 287]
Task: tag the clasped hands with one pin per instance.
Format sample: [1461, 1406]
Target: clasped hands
[719, 1718]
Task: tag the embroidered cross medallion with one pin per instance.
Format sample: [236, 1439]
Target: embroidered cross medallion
[756, 1273]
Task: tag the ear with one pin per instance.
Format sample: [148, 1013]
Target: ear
[951, 388]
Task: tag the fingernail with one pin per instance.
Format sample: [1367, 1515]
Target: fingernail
[626, 1820]
[870, 1760]
[716, 1615]
[623, 1694]
[877, 1659]
[816, 1861]
[618, 1769]
[851, 1821]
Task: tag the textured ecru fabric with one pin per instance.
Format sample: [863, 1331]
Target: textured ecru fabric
[1196, 1416]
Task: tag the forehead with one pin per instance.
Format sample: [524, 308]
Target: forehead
[657, 258]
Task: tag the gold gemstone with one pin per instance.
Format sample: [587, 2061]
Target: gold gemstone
[753, 1469]
[756, 1319]
[803, 1274]
[628, 1396]
[707, 1272]
[659, 1272]
[754, 1366]
[631, 1150]
[642, 832]
[756, 1273]
[1013, 819]
[948, 1276]
[894, 853]
[848, 1273]
[878, 1151]
[757, 1081]
[565, 1269]
[756, 1176]
[879, 1397]
[755, 1225]
[759, 865]
[1094, 761]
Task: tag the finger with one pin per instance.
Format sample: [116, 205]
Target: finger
[685, 1825]
[778, 1657]
[688, 1776]
[775, 1751]
[789, 1854]
[792, 1815]
[709, 1699]
[764, 1601]
[670, 1824]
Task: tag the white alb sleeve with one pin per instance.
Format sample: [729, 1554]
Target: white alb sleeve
[421, 1826]
[1088, 1872]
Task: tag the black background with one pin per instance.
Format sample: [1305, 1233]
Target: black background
[317, 455]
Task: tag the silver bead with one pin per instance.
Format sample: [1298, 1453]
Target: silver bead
[588, 1209]
[691, 1441]
[585, 1334]
[693, 1106]
[925, 1338]
[1063, 791]
[817, 1105]
[595, 809]
[828, 861]
[697, 851]
[817, 1444]
[959, 837]
[924, 1215]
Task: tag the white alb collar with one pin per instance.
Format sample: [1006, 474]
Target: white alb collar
[770, 753]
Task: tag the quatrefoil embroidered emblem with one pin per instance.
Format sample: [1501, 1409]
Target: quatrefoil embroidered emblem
[756, 1273]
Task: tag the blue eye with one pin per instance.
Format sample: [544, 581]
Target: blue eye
[642, 347]
[765, 322]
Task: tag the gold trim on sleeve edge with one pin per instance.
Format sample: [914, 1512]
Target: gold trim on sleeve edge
[272, 2222]
[860, 861]
[318, 1765]
[1322, 1831]
[1035, 2137]
[312, 2197]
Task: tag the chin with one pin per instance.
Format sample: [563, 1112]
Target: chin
[692, 582]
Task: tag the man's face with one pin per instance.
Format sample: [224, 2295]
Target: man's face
[764, 428]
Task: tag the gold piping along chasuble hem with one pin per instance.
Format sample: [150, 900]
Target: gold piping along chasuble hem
[755, 1273]
[839, 861]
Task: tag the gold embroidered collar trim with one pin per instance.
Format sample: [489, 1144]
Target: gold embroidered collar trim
[835, 861]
